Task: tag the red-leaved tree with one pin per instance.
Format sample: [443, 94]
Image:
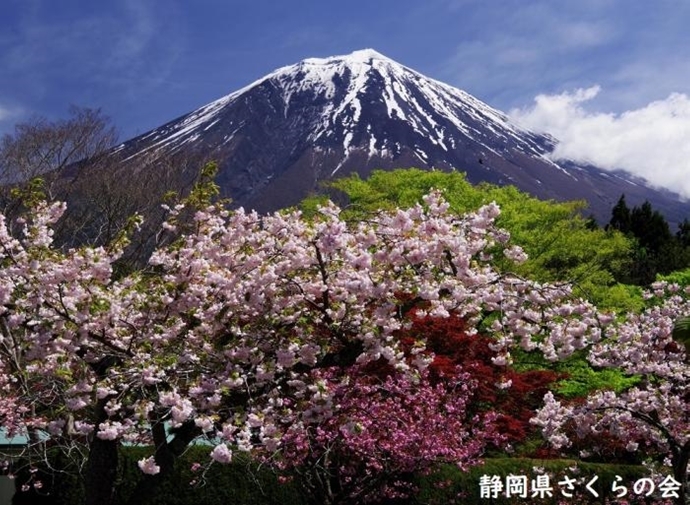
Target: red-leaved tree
[377, 426]
[512, 395]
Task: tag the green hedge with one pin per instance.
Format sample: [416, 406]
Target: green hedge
[239, 483]
[245, 483]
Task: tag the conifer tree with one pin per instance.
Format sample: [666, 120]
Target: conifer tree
[620, 216]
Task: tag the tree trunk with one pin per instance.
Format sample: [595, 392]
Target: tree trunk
[680, 473]
[167, 453]
[101, 471]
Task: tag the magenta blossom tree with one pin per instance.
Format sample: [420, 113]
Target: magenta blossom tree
[221, 334]
[382, 428]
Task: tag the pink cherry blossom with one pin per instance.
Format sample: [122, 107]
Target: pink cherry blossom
[221, 453]
[656, 411]
[149, 466]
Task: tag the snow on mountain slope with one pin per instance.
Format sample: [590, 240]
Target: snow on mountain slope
[407, 95]
[279, 137]
[341, 84]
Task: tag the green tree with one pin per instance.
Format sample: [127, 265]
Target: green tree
[561, 243]
[620, 216]
[650, 227]
[655, 249]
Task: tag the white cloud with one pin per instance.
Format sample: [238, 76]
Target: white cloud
[651, 142]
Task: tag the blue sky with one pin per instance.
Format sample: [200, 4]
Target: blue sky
[144, 62]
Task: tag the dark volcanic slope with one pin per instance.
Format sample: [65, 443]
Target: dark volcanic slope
[279, 137]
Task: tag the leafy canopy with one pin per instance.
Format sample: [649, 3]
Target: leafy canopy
[561, 244]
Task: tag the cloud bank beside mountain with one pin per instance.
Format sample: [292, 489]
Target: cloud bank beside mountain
[652, 142]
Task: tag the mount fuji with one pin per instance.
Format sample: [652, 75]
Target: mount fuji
[279, 138]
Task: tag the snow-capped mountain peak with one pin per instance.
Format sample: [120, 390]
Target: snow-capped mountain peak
[278, 138]
[343, 87]
[365, 56]
[366, 80]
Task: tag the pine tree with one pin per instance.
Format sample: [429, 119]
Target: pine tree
[657, 250]
[650, 228]
[620, 216]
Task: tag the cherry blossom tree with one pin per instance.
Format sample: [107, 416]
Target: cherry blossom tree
[219, 337]
[655, 413]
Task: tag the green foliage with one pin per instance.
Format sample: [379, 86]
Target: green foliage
[309, 205]
[579, 378]
[205, 190]
[683, 233]
[30, 194]
[649, 227]
[655, 249]
[680, 277]
[681, 332]
[623, 298]
[583, 379]
[562, 245]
